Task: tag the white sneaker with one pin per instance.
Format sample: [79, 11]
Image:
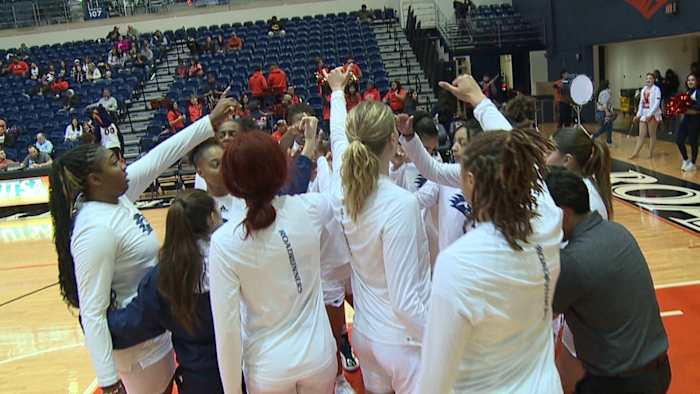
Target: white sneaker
[684, 165]
[691, 167]
[342, 386]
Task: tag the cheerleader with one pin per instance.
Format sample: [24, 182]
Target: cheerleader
[108, 135]
[690, 127]
[489, 324]
[105, 246]
[589, 159]
[265, 280]
[382, 226]
[648, 115]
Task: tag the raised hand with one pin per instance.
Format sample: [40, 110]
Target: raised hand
[338, 79]
[465, 89]
[404, 124]
[223, 110]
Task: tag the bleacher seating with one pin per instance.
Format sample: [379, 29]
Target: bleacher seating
[332, 37]
[43, 113]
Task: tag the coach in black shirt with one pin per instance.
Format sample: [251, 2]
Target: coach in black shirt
[606, 293]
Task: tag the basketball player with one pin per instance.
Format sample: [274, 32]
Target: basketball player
[174, 296]
[382, 225]
[105, 246]
[591, 160]
[489, 324]
[265, 266]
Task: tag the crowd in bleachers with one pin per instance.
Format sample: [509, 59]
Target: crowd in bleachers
[48, 86]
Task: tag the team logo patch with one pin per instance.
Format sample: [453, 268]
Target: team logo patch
[143, 224]
[648, 8]
[420, 181]
[457, 202]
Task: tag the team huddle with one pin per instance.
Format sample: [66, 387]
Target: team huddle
[451, 268]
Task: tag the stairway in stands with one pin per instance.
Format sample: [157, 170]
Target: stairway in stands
[140, 112]
[400, 61]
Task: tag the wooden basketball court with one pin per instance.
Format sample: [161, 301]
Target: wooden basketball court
[41, 344]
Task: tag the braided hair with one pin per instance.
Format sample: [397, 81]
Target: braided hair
[68, 177]
[507, 167]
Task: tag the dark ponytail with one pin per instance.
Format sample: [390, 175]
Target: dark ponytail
[255, 169]
[507, 167]
[181, 260]
[592, 157]
[67, 179]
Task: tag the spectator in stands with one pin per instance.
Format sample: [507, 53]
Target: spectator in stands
[132, 54]
[277, 80]
[176, 119]
[280, 130]
[193, 47]
[257, 84]
[354, 68]
[6, 138]
[210, 45]
[62, 71]
[146, 52]
[4, 161]
[410, 104]
[321, 77]
[114, 34]
[93, 73]
[445, 109]
[372, 93]
[74, 131]
[395, 96]
[142, 63]
[23, 51]
[195, 109]
[158, 39]
[34, 72]
[114, 58]
[59, 86]
[276, 27]
[262, 119]
[107, 102]
[18, 68]
[70, 100]
[181, 70]
[364, 15]
[352, 96]
[244, 110]
[132, 33]
[77, 72]
[293, 98]
[35, 159]
[43, 144]
[213, 91]
[234, 43]
[123, 45]
[196, 69]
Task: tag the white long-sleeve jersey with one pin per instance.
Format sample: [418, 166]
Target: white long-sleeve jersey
[389, 251]
[453, 211]
[266, 296]
[113, 246]
[481, 291]
[594, 199]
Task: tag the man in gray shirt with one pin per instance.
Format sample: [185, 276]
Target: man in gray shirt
[606, 293]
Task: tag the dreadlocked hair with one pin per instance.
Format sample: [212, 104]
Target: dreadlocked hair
[507, 167]
[68, 177]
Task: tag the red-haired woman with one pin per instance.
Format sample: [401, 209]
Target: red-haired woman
[286, 343]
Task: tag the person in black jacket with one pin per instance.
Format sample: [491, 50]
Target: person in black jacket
[174, 296]
[690, 127]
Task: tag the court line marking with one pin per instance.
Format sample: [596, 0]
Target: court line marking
[672, 313]
[20, 267]
[39, 353]
[678, 284]
[91, 388]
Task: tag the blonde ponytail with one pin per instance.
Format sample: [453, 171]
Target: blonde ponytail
[369, 129]
[359, 176]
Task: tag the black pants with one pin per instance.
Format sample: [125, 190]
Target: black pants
[649, 382]
[565, 118]
[688, 130]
